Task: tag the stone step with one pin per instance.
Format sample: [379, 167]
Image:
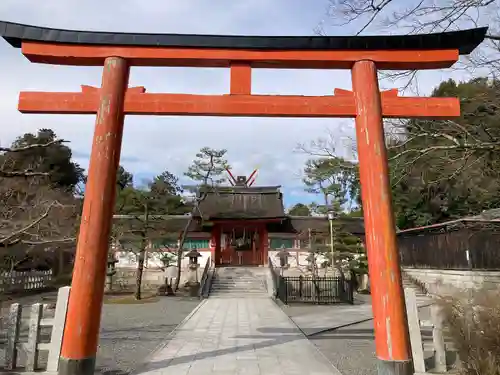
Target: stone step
[237, 295]
[242, 290]
[259, 285]
[236, 289]
[239, 281]
[250, 296]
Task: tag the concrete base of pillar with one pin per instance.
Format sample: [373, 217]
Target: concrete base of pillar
[394, 367]
[85, 366]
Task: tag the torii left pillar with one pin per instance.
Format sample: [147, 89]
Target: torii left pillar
[81, 333]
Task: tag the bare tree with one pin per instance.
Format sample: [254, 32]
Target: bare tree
[8, 166]
[136, 234]
[34, 216]
[422, 16]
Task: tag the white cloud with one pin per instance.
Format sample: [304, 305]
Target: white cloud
[153, 144]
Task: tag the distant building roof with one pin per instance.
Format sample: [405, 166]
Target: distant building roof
[236, 202]
[353, 225]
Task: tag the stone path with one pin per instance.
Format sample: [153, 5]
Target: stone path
[247, 336]
[339, 316]
[335, 317]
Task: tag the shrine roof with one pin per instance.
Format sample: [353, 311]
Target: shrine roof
[465, 41]
[233, 202]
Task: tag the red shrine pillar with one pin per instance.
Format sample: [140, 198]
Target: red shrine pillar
[216, 243]
[81, 331]
[264, 244]
[389, 312]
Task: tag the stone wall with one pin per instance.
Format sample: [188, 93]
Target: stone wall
[441, 281]
[124, 279]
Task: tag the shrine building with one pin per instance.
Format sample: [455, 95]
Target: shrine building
[242, 225]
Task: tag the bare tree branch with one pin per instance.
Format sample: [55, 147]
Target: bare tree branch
[32, 146]
[423, 16]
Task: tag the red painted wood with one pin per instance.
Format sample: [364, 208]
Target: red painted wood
[342, 105]
[391, 330]
[241, 79]
[94, 55]
[87, 289]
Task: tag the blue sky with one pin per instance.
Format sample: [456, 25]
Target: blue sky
[154, 144]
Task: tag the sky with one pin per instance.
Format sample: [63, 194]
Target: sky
[154, 144]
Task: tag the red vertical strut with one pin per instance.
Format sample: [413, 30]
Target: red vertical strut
[84, 308]
[391, 330]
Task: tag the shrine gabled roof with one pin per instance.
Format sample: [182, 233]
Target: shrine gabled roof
[465, 41]
[233, 202]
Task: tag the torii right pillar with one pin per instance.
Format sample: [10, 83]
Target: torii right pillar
[389, 311]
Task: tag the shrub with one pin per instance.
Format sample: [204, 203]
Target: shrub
[473, 325]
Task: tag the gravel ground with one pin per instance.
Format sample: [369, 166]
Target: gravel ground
[351, 349]
[129, 333]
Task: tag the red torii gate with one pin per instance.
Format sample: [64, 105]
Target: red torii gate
[117, 52]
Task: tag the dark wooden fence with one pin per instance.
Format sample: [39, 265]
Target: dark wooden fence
[475, 248]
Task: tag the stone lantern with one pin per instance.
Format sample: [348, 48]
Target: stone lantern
[192, 281]
[283, 255]
[193, 256]
[311, 262]
[111, 270]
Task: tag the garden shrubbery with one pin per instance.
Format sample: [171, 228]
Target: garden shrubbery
[473, 325]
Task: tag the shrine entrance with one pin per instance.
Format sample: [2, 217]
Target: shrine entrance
[117, 52]
[241, 247]
[242, 244]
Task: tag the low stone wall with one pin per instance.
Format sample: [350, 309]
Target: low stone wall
[124, 279]
[441, 281]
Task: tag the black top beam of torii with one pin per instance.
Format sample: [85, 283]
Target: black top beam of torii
[465, 41]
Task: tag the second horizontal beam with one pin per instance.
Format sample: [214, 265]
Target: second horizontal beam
[237, 105]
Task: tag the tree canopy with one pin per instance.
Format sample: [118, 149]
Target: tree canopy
[335, 180]
[208, 167]
[124, 179]
[442, 170]
[299, 209]
[160, 196]
[41, 154]
[39, 212]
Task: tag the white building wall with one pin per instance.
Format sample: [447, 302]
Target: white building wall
[127, 260]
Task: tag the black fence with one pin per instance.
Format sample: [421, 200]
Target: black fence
[461, 249]
[319, 290]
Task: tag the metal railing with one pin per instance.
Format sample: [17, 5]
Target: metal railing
[318, 290]
[205, 277]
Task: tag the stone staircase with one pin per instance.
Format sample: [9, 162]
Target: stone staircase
[422, 297]
[239, 282]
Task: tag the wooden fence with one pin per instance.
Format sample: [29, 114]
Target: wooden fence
[22, 281]
[438, 346]
[469, 248]
[33, 346]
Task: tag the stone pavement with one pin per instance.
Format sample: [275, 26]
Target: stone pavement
[340, 316]
[248, 336]
[333, 318]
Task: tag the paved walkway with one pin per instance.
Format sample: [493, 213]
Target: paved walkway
[340, 316]
[335, 317]
[248, 336]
